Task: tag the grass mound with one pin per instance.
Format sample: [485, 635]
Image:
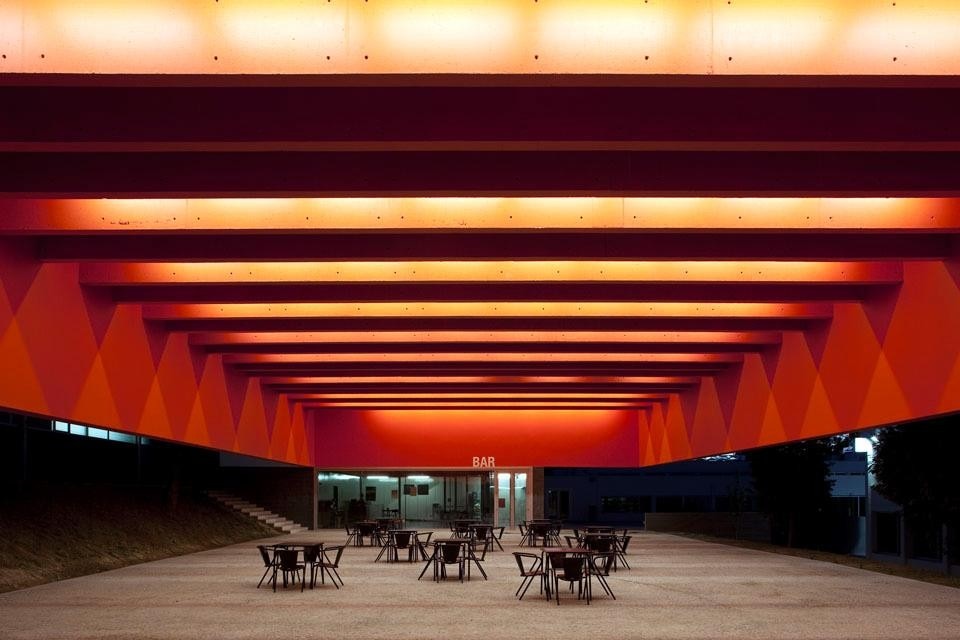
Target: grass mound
[55, 532]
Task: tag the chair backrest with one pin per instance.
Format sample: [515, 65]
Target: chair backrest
[401, 539]
[601, 543]
[449, 552]
[624, 543]
[602, 562]
[481, 532]
[265, 556]
[311, 553]
[339, 549]
[424, 541]
[288, 559]
[572, 568]
[519, 556]
[366, 528]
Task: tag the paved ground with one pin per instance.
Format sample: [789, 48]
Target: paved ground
[678, 588]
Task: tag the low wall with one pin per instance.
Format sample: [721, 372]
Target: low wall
[743, 526]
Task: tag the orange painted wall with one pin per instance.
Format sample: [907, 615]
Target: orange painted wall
[877, 363]
[70, 354]
[442, 438]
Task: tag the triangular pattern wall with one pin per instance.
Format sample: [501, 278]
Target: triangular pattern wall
[79, 359]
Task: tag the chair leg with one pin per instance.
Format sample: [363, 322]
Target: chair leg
[263, 576]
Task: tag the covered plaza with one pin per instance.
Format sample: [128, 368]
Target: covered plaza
[678, 589]
[418, 252]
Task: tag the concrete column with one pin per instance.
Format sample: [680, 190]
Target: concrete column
[535, 493]
[513, 499]
[316, 496]
[496, 499]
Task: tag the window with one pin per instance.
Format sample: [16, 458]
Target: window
[94, 432]
[625, 504]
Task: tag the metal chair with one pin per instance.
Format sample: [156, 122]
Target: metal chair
[270, 564]
[535, 570]
[289, 565]
[573, 570]
[600, 565]
[332, 567]
[449, 553]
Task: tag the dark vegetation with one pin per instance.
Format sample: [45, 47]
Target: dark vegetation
[56, 531]
[916, 467]
[792, 485]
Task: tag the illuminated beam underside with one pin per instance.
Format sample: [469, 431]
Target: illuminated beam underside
[476, 405]
[279, 215]
[430, 356]
[386, 404]
[452, 271]
[479, 395]
[587, 309]
[427, 379]
[819, 37]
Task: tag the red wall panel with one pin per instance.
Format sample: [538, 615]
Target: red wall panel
[348, 438]
[75, 356]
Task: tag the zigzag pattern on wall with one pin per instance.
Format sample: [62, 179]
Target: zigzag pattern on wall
[73, 354]
[875, 363]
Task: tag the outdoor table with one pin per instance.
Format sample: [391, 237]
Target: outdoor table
[461, 527]
[467, 550]
[547, 554]
[489, 529]
[414, 548]
[300, 546]
[366, 528]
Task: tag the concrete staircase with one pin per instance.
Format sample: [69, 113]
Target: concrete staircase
[256, 511]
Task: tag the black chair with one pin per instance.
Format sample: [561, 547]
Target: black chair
[332, 567]
[524, 533]
[449, 553]
[366, 530]
[622, 543]
[290, 565]
[422, 539]
[600, 564]
[535, 570]
[311, 560]
[573, 569]
[270, 564]
[397, 540]
[351, 534]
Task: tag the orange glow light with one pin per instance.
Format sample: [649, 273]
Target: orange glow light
[603, 395]
[120, 215]
[430, 356]
[427, 379]
[320, 338]
[115, 273]
[488, 310]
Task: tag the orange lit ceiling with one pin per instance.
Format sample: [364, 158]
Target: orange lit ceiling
[733, 221]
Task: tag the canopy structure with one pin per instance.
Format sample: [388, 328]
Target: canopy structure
[404, 234]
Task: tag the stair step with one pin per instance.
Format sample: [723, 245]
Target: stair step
[256, 511]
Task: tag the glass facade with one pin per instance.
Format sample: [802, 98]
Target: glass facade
[427, 499]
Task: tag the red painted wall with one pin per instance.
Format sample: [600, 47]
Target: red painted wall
[69, 354]
[349, 438]
[888, 360]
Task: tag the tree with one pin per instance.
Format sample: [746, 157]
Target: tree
[792, 483]
[915, 466]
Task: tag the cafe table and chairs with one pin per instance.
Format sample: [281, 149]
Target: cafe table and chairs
[398, 540]
[443, 553]
[366, 530]
[461, 527]
[483, 534]
[287, 561]
[602, 543]
[568, 565]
